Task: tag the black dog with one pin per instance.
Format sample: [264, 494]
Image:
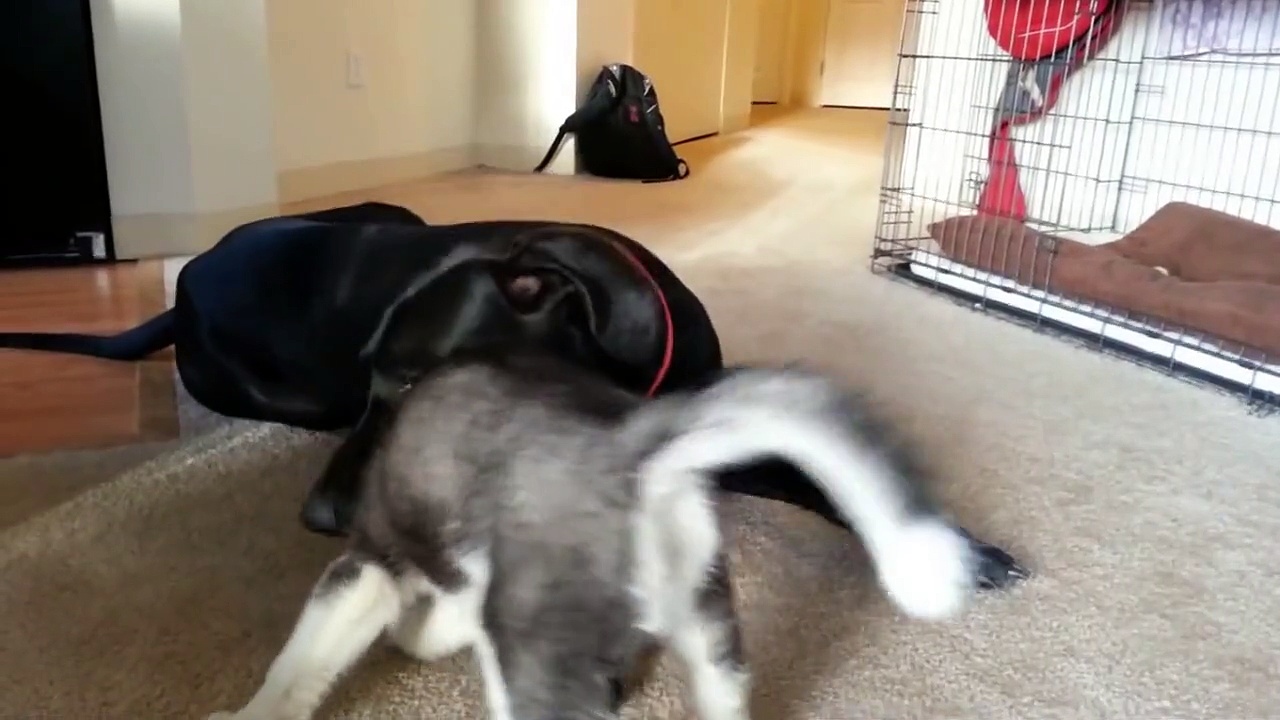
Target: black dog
[282, 320]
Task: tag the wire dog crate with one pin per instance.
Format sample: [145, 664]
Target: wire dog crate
[1108, 170]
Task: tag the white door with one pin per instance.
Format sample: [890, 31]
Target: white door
[771, 44]
[680, 44]
[861, 54]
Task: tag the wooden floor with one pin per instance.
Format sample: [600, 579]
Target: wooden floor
[56, 402]
[59, 402]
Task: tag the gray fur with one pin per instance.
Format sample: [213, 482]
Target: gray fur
[543, 471]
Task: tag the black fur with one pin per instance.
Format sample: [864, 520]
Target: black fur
[275, 322]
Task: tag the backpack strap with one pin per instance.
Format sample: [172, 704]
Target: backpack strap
[593, 109]
[552, 151]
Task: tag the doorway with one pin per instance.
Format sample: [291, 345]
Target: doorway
[860, 59]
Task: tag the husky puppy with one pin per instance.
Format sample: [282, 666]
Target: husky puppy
[559, 528]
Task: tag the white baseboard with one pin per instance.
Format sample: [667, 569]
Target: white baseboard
[150, 235]
[334, 178]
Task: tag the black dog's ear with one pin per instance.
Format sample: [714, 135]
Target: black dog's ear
[615, 298]
[535, 288]
[460, 308]
[534, 292]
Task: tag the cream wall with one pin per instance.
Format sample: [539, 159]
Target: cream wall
[516, 68]
[413, 115]
[806, 44]
[141, 76]
[526, 53]
[185, 110]
[608, 29]
[606, 34]
[803, 40]
[739, 64]
[215, 113]
[773, 19]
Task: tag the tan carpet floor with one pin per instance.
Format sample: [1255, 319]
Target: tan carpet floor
[1149, 508]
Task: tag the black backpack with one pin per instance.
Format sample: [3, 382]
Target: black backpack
[620, 131]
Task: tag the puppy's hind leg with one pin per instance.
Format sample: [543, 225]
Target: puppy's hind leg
[709, 641]
[682, 572]
[351, 605]
[450, 620]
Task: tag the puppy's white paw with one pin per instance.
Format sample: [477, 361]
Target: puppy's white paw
[927, 569]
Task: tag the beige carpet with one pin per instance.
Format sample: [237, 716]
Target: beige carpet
[1149, 508]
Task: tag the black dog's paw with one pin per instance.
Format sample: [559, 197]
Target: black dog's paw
[997, 569]
[325, 515]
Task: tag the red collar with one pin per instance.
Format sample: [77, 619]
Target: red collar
[669, 347]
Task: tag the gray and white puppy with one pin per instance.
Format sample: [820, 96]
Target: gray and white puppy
[558, 527]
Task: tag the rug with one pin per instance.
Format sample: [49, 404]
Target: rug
[1149, 509]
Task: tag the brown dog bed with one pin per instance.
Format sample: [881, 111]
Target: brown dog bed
[1198, 269]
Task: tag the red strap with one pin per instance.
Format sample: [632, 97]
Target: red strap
[666, 316]
[1051, 31]
[1002, 195]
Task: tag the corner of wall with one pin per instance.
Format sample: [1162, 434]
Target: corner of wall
[739, 65]
[526, 55]
[605, 35]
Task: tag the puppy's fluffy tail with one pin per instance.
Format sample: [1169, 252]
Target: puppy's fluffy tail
[924, 563]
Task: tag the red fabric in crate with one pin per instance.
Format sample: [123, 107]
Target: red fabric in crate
[1035, 29]
[1048, 40]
